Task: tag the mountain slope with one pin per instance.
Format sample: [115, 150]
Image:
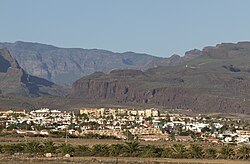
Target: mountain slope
[216, 81]
[65, 65]
[14, 81]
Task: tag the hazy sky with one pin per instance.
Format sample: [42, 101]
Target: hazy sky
[157, 27]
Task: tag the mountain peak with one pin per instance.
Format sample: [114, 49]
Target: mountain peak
[6, 60]
[15, 81]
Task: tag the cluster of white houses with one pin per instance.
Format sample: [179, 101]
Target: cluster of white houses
[45, 112]
[99, 112]
[147, 124]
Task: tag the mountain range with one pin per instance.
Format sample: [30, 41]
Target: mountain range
[215, 79]
[65, 65]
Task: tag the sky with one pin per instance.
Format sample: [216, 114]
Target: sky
[157, 27]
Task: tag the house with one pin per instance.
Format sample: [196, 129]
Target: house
[242, 140]
[243, 133]
[154, 137]
[213, 140]
[44, 132]
[9, 112]
[21, 131]
[148, 112]
[26, 132]
[155, 113]
[228, 139]
[196, 126]
[184, 138]
[141, 112]
[2, 123]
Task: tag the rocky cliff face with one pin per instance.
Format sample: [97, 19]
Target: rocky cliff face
[122, 92]
[65, 65]
[15, 81]
[212, 82]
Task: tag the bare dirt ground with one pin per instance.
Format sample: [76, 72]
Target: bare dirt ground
[113, 160]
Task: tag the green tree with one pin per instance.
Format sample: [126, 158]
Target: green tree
[166, 153]
[49, 147]
[129, 135]
[115, 150]
[205, 129]
[13, 148]
[65, 149]
[131, 149]
[195, 151]
[33, 147]
[210, 153]
[100, 150]
[224, 128]
[226, 152]
[178, 151]
[82, 150]
[151, 151]
[243, 152]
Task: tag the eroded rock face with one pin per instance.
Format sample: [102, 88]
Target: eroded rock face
[217, 81]
[116, 87]
[228, 50]
[15, 81]
[192, 54]
[6, 61]
[66, 65]
[120, 91]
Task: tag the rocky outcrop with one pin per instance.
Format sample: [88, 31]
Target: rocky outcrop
[66, 65]
[228, 50]
[15, 81]
[213, 82]
[121, 91]
[192, 54]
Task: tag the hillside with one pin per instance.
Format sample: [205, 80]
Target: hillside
[14, 81]
[216, 81]
[65, 65]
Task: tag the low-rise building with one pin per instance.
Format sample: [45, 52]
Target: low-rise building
[184, 138]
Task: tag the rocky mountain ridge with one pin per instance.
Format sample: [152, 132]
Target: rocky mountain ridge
[215, 81]
[15, 81]
[65, 65]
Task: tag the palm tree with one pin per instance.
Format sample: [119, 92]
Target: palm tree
[12, 148]
[226, 152]
[82, 150]
[49, 146]
[166, 153]
[195, 151]
[131, 149]
[100, 150]
[210, 153]
[129, 135]
[115, 150]
[66, 148]
[178, 151]
[32, 147]
[151, 151]
[243, 152]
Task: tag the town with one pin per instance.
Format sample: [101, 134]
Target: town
[125, 124]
